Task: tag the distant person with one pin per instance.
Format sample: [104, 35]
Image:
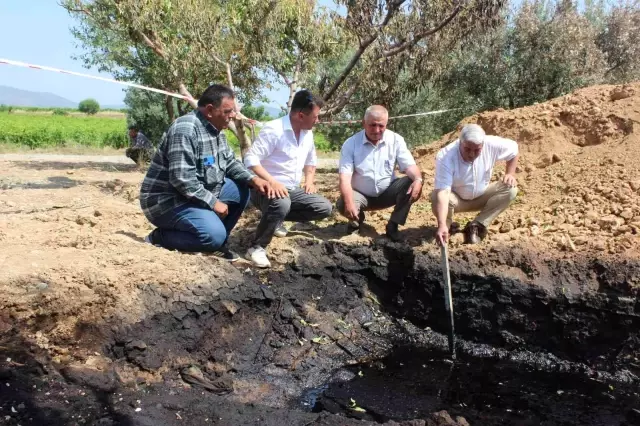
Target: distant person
[367, 173]
[195, 190]
[283, 151]
[140, 149]
[463, 173]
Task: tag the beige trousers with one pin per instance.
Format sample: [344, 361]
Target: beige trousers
[494, 201]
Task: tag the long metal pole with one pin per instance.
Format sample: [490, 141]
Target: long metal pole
[448, 297]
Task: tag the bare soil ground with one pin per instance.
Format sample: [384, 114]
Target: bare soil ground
[96, 324]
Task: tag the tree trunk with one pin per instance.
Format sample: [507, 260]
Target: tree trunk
[180, 109]
[168, 102]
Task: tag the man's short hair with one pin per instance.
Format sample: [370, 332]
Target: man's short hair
[304, 101]
[214, 95]
[472, 133]
[133, 127]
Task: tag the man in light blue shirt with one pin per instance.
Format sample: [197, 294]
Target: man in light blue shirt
[367, 173]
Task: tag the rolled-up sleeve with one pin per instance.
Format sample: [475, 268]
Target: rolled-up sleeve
[261, 148]
[403, 155]
[444, 173]
[182, 169]
[346, 157]
[507, 149]
[312, 158]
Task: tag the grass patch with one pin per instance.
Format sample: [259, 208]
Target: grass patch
[49, 130]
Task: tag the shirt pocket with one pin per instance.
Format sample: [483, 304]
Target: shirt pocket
[211, 177]
[390, 164]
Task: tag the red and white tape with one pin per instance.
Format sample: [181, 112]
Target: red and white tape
[391, 118]
[95, 77]
[186, 98]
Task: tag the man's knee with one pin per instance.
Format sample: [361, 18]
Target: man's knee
[213, 238]
[280, 207]
[324, 208]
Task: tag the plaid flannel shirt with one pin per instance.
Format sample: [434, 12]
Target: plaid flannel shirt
[189, 166]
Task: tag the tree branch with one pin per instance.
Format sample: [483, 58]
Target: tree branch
[364, 44]
[182, 89]
[401, 47]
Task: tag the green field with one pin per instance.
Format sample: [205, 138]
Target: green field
[43, 131]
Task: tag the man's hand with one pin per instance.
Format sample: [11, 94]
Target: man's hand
[415, 190]
[510, 180]
[442, 234]
[278, 190]
[221, 209]
[261, 185]
[351, 212]
[310, 188]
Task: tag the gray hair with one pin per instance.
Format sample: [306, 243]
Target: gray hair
[472, 133]
[376, 111]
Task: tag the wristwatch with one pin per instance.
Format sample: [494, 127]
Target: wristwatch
[418, 180]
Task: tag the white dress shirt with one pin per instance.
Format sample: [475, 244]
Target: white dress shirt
[372, 166]
[470, 180]
[277, 150]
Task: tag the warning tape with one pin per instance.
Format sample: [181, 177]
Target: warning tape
[187, 98]
[95, 77]
[391, 118]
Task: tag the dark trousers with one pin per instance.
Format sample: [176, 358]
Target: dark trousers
[395, 195]
[297, 207]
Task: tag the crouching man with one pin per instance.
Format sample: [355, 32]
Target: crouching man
[283, 151]
[367, 174]
[195, 190]
[463, 173]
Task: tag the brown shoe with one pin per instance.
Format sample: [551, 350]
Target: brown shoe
[474, 232]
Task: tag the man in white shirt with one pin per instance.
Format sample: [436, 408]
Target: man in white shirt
[367, 178]
[463, 173]
[283, 151]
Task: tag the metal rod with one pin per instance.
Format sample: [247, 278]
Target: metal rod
[448, 297]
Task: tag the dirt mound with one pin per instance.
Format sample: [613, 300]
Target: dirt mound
[589, 116]
[579, 185]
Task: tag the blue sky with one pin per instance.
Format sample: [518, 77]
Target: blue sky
[37, 32]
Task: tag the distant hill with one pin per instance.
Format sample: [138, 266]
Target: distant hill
[272, 111]
[17, 97]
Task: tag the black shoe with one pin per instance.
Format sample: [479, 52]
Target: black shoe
[392, 231]
[353, 226]
[226, 254]
[454, 228]
[474, 232]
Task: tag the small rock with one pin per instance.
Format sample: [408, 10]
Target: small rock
[626, 214]
[42, 286]
[97, 213]
[635, 185]
[11, 204]
[137, 344]
[507, 227]
[230, 306]
[609, 222]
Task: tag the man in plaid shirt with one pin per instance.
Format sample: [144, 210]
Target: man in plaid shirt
[195, 190]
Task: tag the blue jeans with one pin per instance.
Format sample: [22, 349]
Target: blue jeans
[191, 228]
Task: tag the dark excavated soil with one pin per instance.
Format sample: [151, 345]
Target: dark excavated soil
[354, 335]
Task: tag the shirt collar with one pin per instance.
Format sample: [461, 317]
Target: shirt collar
[210, 127]
[365, 139]
[286, 123]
